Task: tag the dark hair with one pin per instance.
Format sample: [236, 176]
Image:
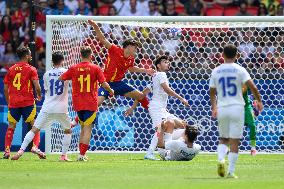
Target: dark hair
[57, 58]
[128, 42]
[159, 60]
[230, 51]
[152, 1]
[23, 51]
[2, 25]
[85, 51]
[191, 133]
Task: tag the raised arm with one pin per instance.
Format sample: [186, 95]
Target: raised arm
[171, 92]
[213, 101]
[136, 69]
[37, 89]
[100, 35]
[256, 94]
[130, 110]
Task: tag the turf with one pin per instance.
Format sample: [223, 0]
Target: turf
[131, 171]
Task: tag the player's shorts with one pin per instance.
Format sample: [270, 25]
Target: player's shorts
[119, 87]
[46, 119]
[86, 117]
[231, 121]
[249, 116]
[158, 115]
[28, 113]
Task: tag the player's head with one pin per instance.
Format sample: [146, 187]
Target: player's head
[86, 52]
[191, 133]
[57, 58]
[130, 46]
[162, 64]
[230, 52]
[24, 54]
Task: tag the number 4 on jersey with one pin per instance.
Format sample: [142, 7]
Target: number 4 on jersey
[17, 81]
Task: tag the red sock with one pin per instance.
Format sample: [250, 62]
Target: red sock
[77, 119]
[83, 148]
[36, 139]
[144, 102]
[9, 138]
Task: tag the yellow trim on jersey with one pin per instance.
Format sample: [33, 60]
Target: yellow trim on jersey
[107, 63]
[91, 119]
[29, 85]
[32, 115]
[113, 77]
[10, 118]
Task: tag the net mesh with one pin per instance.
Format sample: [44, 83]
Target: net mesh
[195, 50]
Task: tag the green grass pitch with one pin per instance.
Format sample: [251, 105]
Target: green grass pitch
[131, 171]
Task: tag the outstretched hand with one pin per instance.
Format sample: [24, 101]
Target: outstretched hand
[150, 71]
[128, 112]
[184, 101]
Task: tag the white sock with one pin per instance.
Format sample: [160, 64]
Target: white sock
[233, 157]
[28, 138]
[66, 143]
[153, 145]
[222, 151]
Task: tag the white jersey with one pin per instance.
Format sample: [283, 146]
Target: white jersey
[56, 92]
[179, 151]
[228, 80]
[160, 97]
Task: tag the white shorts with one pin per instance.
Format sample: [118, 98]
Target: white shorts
[159, 115]
[231, 121]
[46, 119]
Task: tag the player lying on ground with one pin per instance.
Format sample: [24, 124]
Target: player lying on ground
[85, 77]
[18, 90]
[227, 81]
[118, 62]
[250, 114]
[158, 105]
[54, 108]
[181, 149]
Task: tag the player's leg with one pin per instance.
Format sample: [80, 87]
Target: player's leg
[137, 95]
[65, 124]
[86, 119]
[222, 148]
[235, 134]
[14, 115]
[250, 122]
[42, 119]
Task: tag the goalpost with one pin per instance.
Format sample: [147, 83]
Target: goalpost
[195, 47]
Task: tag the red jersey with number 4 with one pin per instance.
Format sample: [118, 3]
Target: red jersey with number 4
[116, 64]
[19, 80]
[85, 77]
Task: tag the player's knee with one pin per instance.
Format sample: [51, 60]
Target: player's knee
[12, 125]
[35, 130]
[67, 131]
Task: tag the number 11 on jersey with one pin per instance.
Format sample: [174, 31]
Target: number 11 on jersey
[87, 79]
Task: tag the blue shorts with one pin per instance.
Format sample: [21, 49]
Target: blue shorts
[28, 113]
[86, 117]
[119, 87]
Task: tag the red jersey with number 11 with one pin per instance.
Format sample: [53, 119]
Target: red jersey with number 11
[19, 80]
[85, 77]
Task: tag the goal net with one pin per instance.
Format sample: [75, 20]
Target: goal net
[194, 45]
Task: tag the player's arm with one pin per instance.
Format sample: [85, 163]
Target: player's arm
[106, 86]
[171, 92]
[130, 110]
[100, 34]
[6, 93]
[136, 69]
[255, 93]
[213, 101]
[37, 89]
[245, 88]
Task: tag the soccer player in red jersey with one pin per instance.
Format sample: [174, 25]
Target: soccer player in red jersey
[119, 61]
[85, 77]
[19, 95]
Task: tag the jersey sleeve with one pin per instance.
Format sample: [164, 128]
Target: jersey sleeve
[162, 77]
[171, 145]
[34, 75]
[211, 81]
[245, 75]
[68, 74]
[7, 78]
[45, 81]
[100, 75]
